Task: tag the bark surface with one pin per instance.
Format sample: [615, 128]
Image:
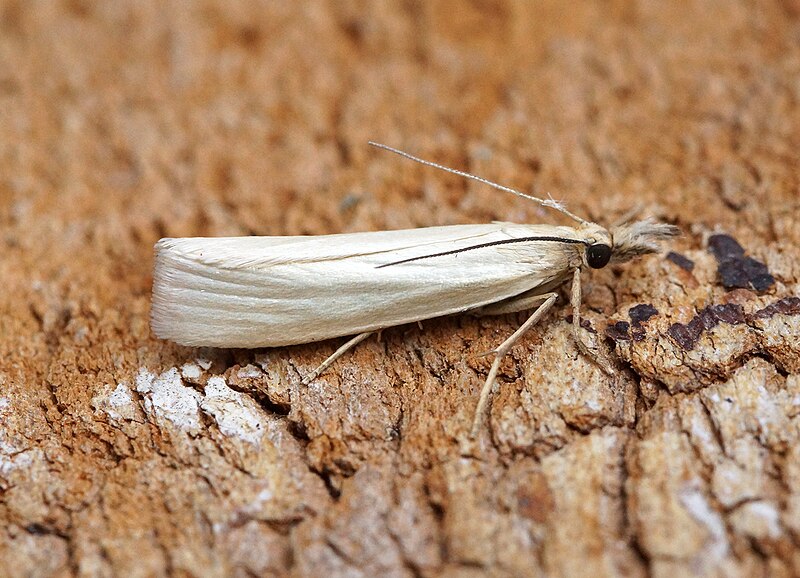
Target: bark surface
[122, 122]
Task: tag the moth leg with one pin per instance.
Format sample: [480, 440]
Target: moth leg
[500, 351]
[336, 355]
[576, 325]
[514, 305]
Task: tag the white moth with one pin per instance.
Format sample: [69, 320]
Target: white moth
[276, 291]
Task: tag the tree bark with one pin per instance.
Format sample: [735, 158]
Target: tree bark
[122, 455]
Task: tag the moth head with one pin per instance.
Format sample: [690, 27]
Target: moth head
[598, 245]
[634, 239]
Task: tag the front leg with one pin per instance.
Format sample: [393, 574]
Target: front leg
[576, 326]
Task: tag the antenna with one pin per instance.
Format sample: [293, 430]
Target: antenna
[550, 203]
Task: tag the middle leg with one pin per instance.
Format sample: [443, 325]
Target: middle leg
[501, 351]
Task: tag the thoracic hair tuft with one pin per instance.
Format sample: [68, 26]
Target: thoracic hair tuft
[639, 238]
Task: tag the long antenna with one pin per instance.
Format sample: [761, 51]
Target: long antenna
[550, 203]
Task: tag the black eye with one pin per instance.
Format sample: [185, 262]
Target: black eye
[598, 255]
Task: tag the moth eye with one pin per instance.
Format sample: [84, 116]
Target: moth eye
[598, 255]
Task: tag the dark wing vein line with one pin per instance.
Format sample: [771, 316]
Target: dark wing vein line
[482, 245]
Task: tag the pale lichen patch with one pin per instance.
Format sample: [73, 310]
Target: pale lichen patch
[118, 404]
[235, 413]
[249, 371]
[191, 371]
[166, 399]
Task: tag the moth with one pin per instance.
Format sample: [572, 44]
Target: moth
[249, 292]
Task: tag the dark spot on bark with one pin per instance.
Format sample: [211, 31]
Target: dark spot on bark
[641, 313]
[618, 331]
[689, 334]
[683, 335]
[724, 247]
[731, 313]
[585, 323]
[681, 261]
[638, 314]
[745, 273]
[785, 306]
[734, 269]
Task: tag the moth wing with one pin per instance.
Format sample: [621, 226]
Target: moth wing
[272, 291]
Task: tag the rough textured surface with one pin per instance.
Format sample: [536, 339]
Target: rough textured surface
[121, 122]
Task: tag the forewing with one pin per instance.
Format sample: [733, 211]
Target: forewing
[271, 291]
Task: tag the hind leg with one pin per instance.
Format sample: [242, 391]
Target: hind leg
[514, 305]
